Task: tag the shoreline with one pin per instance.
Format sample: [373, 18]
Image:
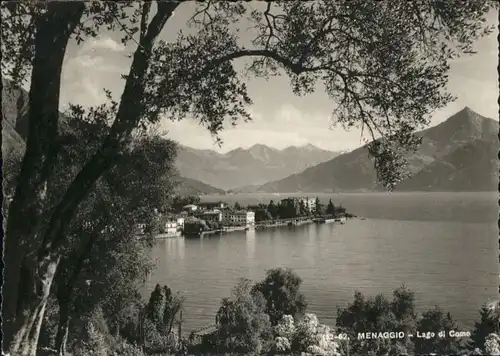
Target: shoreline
[294, 222]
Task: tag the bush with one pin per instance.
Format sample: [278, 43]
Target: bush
[93, 345]
[281, 290]
[381, 315]
[126, 349]
[437, 320]
[492, 345]
[307, 335]
[487, 325]
[243, 325]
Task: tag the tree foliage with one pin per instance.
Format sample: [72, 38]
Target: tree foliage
[273, 209]
[378, 314]
[330, 208]
[306, 335]
[160, 317]
[492, 344]
[287, 208]
[178, 202]
[108, 255]
[436, 320]
[318, 207]
[488, 324]
[281, 290]
[243, 326]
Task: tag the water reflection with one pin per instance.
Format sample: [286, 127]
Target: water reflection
[250, 238]
[372, 255]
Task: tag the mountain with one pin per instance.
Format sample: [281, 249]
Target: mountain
[14, 123]
[457, 155]
[246, 167]
[15, 132]
[188, 186]
[471, 167]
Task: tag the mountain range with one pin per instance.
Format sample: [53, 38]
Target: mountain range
[15, 132]
[247, 167]
[460, 154]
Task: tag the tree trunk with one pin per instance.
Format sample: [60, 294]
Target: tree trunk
[27, 325]
[72, 265]
[63, 327]
[53, 31]
[128, 117]
[22, 312]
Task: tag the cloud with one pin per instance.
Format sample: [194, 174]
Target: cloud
[280, 118]
[280, 128]
[103, 43]
[97, 64]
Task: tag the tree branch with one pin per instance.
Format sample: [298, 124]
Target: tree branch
[296, 68]
[146, 7]
[165, 11]
[127, 118]
[78, 264]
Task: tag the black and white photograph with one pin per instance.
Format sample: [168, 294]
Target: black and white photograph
[250, 178]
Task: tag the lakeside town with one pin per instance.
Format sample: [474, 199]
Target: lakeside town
[191, 218]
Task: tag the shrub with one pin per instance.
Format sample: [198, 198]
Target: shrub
[281, 290]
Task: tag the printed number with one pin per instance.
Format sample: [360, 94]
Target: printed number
[342, 336]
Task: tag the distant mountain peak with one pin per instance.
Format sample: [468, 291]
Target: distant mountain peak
[466, 114]
[464, 125]
[259, 147]
[307, 147]
[458, 154]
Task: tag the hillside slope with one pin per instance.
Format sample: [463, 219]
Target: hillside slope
[15, 132]
[465, 133]
[188, 186]
[253, 166]
[472, 167]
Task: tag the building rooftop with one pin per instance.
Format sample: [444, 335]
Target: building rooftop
[211, 213]
[240, 212]
[211, 203]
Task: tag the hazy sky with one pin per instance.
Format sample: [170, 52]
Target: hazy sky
[280, 118]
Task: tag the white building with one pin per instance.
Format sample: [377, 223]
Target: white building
[239, 218]
[309, 203]
[250, 218]
[180, 221]
[171, 227]
[212, 205]
[214, 215]
[190, 207]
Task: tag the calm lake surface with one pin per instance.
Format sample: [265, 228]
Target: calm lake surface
[443, 246]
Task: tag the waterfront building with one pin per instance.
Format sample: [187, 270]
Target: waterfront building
[261, 213]
[190, 208]
[309, 203]
[239, 218]
[250, 219]
[213, 215]
[180, 221]
[212, 205]
[171, 227]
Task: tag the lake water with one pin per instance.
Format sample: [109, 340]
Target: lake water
[443, 246]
